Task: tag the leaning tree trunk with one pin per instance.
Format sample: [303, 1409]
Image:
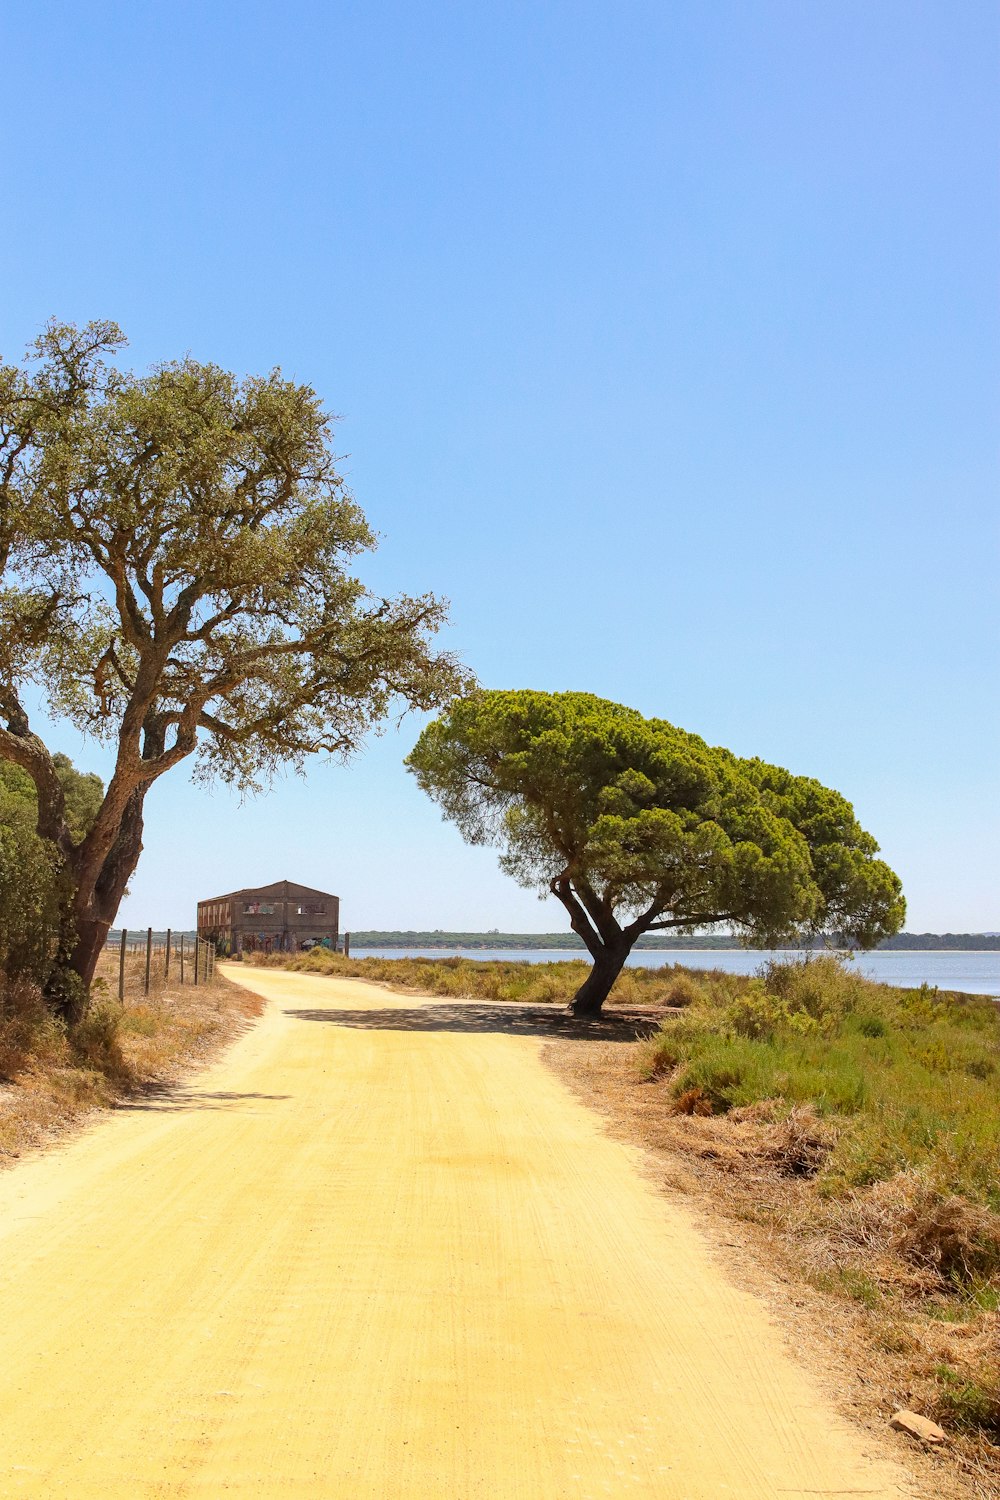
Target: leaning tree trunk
[596, 988]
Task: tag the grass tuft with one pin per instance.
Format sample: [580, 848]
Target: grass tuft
[968, 1404]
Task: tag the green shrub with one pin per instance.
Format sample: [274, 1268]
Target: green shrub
[969, 1405]
[763, 1016]
[823, 987]
[683, 989]
[32, 891]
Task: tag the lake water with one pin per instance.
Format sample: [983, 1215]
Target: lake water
[972, 973]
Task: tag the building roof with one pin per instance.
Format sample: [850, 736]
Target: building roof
[280, 890]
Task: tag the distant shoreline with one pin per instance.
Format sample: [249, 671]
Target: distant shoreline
[528, 942]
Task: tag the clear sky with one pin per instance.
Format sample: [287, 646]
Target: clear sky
[666, 341]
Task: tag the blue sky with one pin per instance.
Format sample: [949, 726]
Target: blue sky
[665, 341]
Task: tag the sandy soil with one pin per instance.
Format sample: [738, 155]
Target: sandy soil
[380, 1251]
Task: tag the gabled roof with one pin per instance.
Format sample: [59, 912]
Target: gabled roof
[280, 890]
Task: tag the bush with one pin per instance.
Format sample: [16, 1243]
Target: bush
[29, 901]
[762, 1016]
[95, 1038]
[823, 987]
[683, 989]
[32, 890]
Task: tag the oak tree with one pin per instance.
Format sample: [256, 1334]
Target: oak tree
[177, 551]
[637, 826]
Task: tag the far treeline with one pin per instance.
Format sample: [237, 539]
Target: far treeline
[971, 942]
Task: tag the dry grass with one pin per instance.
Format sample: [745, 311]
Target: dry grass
[51, 1078]
[473, 979]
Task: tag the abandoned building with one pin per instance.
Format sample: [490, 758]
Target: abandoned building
[279, 918]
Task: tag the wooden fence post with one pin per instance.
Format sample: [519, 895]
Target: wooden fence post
[166, 961]
[121, 965]
[347, 945]
[197, 949]
[149, 956]
[182, 958]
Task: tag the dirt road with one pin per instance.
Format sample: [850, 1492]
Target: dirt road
[366, 1257]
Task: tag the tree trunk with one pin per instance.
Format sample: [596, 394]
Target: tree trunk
[87, 921]
[91, 935]
[596, 987]
[67, 988]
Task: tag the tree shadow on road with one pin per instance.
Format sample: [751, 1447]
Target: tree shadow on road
[166, 1099]
[545, 1021]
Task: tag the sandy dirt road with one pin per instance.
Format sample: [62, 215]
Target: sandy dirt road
[365, 1257]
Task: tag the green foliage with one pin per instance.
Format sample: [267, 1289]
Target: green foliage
[970, 1405]
[83, 791]
[29, 898]
[31, 888]
[629, 816]
[759, 1015]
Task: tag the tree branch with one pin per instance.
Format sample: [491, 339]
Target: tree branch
[599, 912]
[25, 749]
[578, 920]
[696, 919]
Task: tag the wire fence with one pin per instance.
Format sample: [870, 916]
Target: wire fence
[143, 963]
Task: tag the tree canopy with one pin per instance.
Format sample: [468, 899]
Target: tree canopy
[638, 826]
[177, 552]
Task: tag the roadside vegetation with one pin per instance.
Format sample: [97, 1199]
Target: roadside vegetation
[851, 1126]
[52, 1073]
[879, 1081]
